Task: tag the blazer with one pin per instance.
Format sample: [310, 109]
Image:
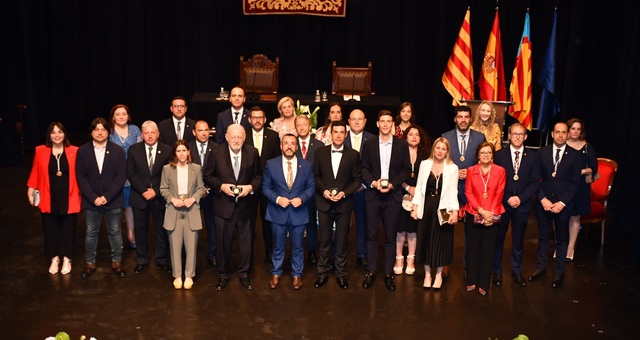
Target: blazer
[194, 146]
[275, 184]
[169, 190]
[219, 170]
[270, 145]
[168, 131]
[474, 188]
[448, 192]
[399, 166]
[365, 135]
[225, 119]
[564, 185]
[39, 178]
[140, 177]
[348, 178]
[474, 140]
[528, 177]
[313, 146]
[109, 183]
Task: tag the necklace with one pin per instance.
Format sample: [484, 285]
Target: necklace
[484, 194]
[58, 156]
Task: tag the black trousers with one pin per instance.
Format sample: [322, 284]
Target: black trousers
[326, 238]
[59, 234]
[141, 222]
[480, 245]
[382, 208]
[240, 223]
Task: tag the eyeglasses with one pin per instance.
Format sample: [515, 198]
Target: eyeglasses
[356, 119]
[254, 117]
[484, 153]
[517, 134]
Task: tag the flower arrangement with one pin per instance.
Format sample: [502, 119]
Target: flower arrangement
[65, 336]
[304, 110]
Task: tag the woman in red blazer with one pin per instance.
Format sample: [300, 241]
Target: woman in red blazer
[53, 176]
[484, 189]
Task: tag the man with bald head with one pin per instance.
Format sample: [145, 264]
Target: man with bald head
[233, 176]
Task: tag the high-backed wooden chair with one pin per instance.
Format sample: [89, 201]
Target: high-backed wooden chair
[352, 80]
[600, 190]
[258, 74]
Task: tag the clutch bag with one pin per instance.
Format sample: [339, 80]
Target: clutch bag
[445, 215]
[406, 203]
[36, 197]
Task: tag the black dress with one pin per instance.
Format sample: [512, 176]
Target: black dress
[435, 241]
[59, 185]
[407, 223]
[582, 197]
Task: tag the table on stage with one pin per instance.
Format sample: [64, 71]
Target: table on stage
[207, 106]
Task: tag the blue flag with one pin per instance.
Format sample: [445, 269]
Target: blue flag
[549, 104]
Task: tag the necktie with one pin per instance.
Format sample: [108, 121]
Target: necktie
[258, 143]
[517, 162]
[202, 153]
[236, 167]
[235, 121]
[356, 143]
[289, 175]
[178, 135]
[304, 149]
[557, 159]
[463, 147]
[150, 158]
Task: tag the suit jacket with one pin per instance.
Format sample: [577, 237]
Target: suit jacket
[399, 166]
[168, 131]
[109, 183]
[169, 190]
[365, 135]
[448, 192]
[194, 146]
[225, 118]
[270, 145]
[474, 189]
[528, 177]
[313, 146]
[473, 141]
[219, 170]
[348, 178]
[39, 178]
[564, 185]
[140, 177]
[275, 184]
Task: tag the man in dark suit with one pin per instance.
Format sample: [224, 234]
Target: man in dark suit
[233, 174]
[267, 142]
[385, 166]
[356, 137]
[523, 180]
[101, 172]
[307, 147]
[178, 126]
[560, 177]
[288, 186]
[338, 175]
[144, 170]
[236, 114]
[201, 149]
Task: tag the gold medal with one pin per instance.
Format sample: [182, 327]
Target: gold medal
[182, 197]
[516, 177]
[413, 174]
[484, 195]
[461, 158]
[59, 173]
[435, 193]
[553, 174]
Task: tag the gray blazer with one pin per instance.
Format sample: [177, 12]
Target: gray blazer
[169, 189]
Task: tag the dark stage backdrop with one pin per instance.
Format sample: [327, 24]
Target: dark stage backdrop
[73, 60]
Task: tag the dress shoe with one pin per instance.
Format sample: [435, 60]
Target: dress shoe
[369, 279]
[362, 262]
[188, 283]
[273, 283]
[55, 265]
[537, 274]
[297, 282]
[470, 288]
[482, 291]
[66, 266]
[518, 279]
[497, 279]
[321, 281]
[399, 265]
[88, 270]
[557, 281]
[116, 267]
[437, 283]
[139, 268]
[246, 282]
[177, 283]
[389, 282]
[312, 257]
[165, 268]
[222, 282]
[342, 283]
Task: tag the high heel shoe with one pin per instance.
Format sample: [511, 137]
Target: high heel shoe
[570, 256]
[66, 266]
[470, 288]
[427, 281]
[437, 283]
[482, 291]
[411, 268]
[397, 268]
[55, 266]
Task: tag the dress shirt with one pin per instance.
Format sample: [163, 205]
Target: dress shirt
[385, 157]
[304, 155]
[154, 148]
[202, 151]
[233, 155]
[555, 148]
[285, 170]
[175, 127]
[335, 159]
[466, 140]
[357, 144]
[99, 152]
[258, 136]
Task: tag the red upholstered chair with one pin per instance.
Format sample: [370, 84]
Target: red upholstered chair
[600, 190]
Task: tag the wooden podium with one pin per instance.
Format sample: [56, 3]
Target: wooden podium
[501, 108]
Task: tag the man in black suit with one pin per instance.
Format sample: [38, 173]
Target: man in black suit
[178, 126]
[560, 177]
[356, 137]
[338, 175]
[144, 170]
[267, 142]
[233, 174]
[523, 180]
[236, 114]
[307, 147]
[201, 149]
[385, 165]
[101, 171]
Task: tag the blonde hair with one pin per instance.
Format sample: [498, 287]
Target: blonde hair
[447, 158]
[281, 102]
[476, 116]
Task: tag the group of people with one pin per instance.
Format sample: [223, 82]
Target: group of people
[302, 185]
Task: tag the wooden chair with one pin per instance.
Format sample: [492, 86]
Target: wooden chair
[352, 80]
[600, 190]
[258, 74]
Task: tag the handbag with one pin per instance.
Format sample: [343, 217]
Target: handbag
[36, 198]
[406, 203]
[445, 215]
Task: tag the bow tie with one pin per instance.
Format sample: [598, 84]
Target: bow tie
[338, 151]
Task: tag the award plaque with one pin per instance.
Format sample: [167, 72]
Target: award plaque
[236, 190]
[333, 192]
[384, 183]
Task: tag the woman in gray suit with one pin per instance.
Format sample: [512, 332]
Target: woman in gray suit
[181, 186]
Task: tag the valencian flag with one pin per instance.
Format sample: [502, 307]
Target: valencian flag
[549, 105]
[521, 81]
[458, 76]
[492, 86]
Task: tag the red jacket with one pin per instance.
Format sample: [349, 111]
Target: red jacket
[39, 178]
[474, 188]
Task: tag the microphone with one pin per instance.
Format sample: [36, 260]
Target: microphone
[353, 86]
[466, 89]
[253, 95]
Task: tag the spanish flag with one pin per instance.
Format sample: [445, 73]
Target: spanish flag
[521, 81]
[458, 76]
[492, 85]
